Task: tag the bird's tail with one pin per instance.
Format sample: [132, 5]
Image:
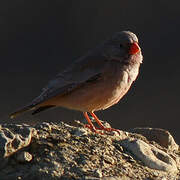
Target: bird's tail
[22, 110]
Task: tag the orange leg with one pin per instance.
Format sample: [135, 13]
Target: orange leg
[93, 128]
[101, 125]
[90, 124]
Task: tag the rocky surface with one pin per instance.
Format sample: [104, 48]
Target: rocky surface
[61, 151]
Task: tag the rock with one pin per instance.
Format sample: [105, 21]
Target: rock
[60, 151]
[108, 159]
[14, 137]
[80, 132]
[116, 178]
[161, 136]
[23, 157]
[98, 173]
[150, 155]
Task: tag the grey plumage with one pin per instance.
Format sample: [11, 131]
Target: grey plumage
[89, 68]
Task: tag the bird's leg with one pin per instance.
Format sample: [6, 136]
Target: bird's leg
[97, 120]
[101, 125]
[90, 124]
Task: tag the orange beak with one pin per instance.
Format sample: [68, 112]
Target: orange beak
[134, 48]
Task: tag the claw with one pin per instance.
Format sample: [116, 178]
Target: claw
[101, 127]
[93, 129]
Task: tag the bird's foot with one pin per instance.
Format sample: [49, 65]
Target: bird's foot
[102, 128]
[109, 129]
[93, 129]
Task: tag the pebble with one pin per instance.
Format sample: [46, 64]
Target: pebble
[24, 157]
[98, 173]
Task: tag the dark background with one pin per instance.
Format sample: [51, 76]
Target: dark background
[40, 38]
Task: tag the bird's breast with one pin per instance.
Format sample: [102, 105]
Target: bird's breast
[100, 94]
[120, 83]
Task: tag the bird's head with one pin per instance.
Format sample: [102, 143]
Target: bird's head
[124, 47]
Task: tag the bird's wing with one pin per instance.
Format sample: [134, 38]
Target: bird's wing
[86, 69]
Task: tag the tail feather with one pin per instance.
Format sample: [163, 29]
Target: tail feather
[43, 108]
[22, 110]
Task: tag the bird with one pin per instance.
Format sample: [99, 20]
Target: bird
[93, 82]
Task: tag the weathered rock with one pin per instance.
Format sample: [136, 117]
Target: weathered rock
[14, 137]
[150, 155]
[60, 151]
[109, 178]
[161, 136]
[23, 157]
